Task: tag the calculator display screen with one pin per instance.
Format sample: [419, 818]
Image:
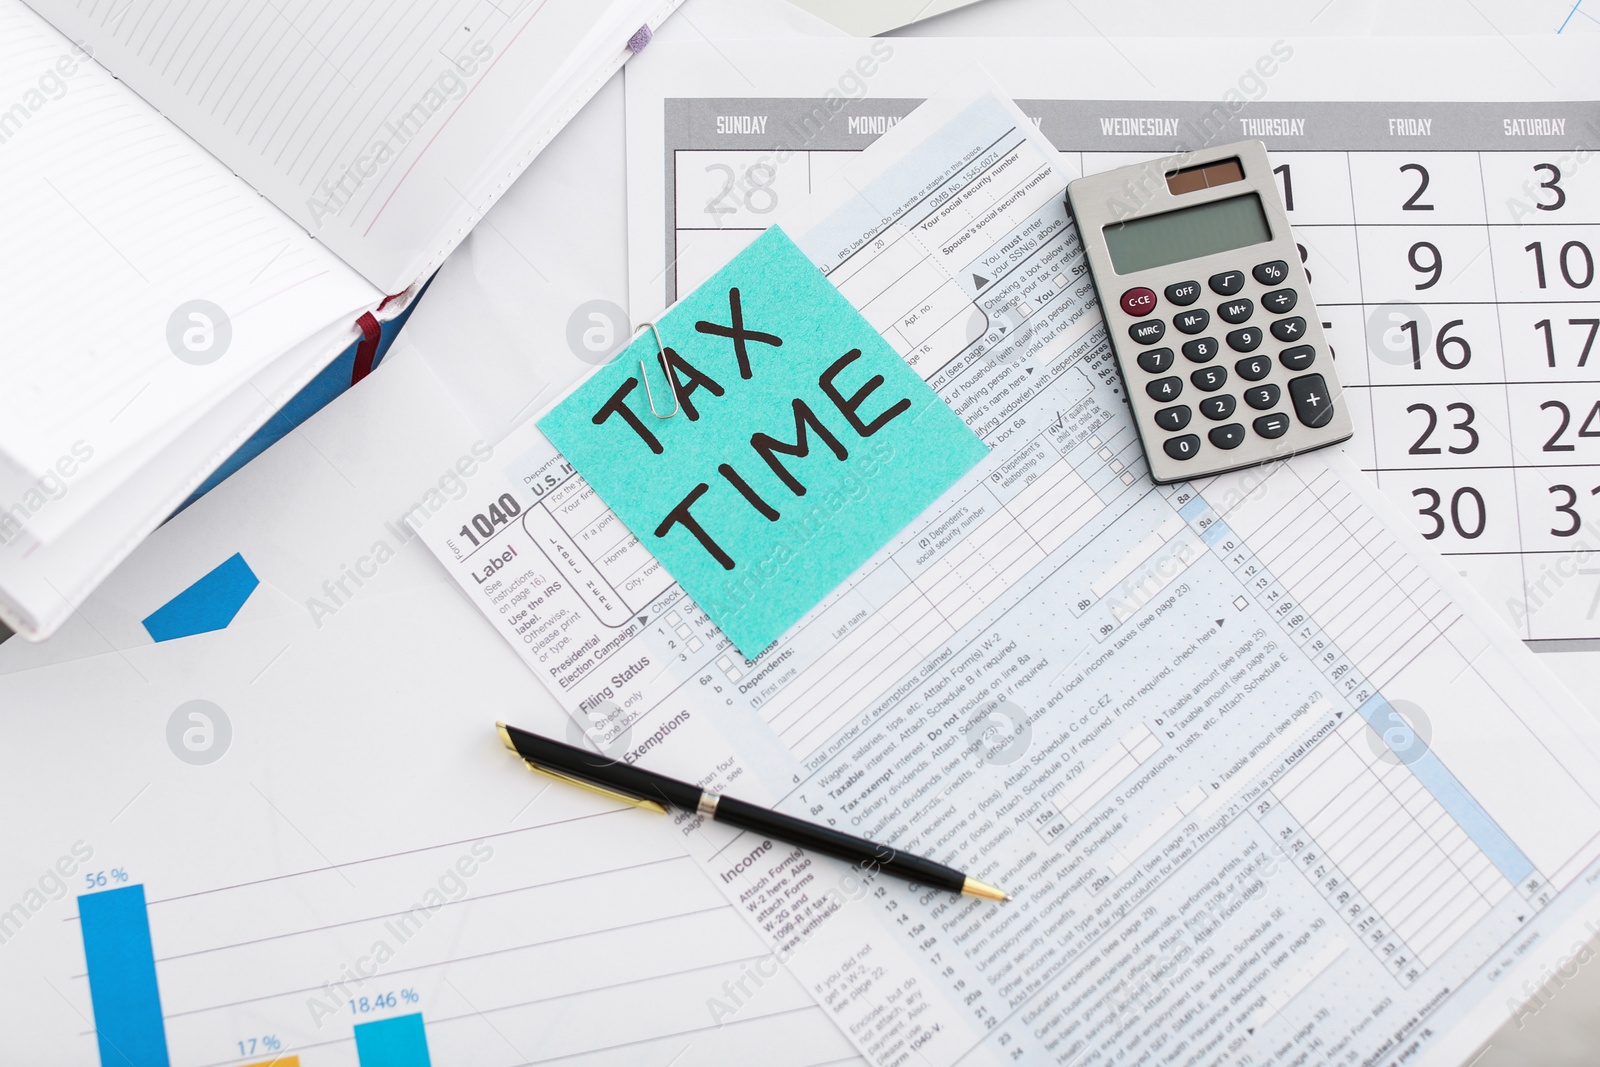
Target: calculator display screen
[1187, 233]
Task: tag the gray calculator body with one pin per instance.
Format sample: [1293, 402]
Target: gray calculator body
[1208, 307]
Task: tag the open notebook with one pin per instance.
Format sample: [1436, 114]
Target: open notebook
[202, 197]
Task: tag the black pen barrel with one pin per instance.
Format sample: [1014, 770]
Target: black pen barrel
[814, 838]
[603, 771]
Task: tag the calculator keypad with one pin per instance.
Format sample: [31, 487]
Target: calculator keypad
[1271, 418]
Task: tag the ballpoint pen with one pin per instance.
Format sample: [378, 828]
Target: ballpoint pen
[656, 792]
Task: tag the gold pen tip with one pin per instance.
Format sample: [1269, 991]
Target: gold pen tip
[505, 736]
[974, 888]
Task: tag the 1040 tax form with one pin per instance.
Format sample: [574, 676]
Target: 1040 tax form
[1266, 783]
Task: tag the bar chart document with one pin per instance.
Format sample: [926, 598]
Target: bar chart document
[353, 924]
[1446, 204]
[1266, 784]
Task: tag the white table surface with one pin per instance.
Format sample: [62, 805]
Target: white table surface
[494, 325]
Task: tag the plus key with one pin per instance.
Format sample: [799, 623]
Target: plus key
[1310, 395]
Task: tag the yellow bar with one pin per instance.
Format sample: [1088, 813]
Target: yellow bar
[281, 1061]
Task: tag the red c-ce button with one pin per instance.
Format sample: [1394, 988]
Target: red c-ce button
[1139, 301]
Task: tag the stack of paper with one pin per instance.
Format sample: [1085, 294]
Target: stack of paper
[202, 203]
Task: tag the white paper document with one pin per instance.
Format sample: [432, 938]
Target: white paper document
[118, 223]
[1444, 193]
[863, 19]
[309, 817]
[204, 198]
[1266, 783]
[381, 131]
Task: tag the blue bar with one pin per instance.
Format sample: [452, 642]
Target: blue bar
[1452, 796]
[397, 1042]
[122, 978]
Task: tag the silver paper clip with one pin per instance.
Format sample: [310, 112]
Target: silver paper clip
[666, 368]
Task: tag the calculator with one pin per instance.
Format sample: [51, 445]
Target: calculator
[1219, 343]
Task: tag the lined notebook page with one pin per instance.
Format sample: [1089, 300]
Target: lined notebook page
[370, 122]
[46, 573]
[119, 231]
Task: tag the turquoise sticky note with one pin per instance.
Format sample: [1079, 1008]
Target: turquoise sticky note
[802, 443]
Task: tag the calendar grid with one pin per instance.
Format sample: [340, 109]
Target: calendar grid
[1419, 222]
